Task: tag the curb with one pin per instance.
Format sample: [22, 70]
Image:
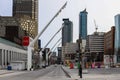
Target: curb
[68, 75]
[6, 73]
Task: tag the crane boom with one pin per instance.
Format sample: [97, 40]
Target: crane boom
[96, 27]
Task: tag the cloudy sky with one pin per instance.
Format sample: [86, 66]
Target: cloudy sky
[102, 11]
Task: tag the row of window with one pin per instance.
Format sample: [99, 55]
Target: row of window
[8, 56]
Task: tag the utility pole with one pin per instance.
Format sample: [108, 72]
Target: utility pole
[30, 46]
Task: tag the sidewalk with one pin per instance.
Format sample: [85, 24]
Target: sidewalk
[2, 72]
[72, 72]
[88, 76]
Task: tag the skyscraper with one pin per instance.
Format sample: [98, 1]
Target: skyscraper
[83, 24]
[67, 32]
[26, 7]
[117, 37]
[27, 11]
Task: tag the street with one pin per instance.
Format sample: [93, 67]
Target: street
[59, 72]
[49, 73]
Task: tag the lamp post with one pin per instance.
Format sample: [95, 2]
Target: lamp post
[79, 58]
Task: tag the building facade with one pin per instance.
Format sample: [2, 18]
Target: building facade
[11, 30]
[69, 51]
[109, 40]
[9, 52]
[67, 32]
[59, 55]
[117, 37]
[95, 46]
[27, 11]
[83, 24]
[26, 7]
[21, 25]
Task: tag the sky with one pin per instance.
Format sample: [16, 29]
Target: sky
[102, 11]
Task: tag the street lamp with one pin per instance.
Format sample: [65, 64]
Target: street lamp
[79, 58]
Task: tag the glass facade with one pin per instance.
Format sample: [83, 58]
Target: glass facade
[83, 24]
[67, 32]
[117, 37]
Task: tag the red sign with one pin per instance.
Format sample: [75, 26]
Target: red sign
[25, 41]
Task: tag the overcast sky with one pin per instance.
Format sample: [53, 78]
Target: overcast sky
[102, 11]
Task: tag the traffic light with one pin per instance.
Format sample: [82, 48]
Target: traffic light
[44, 55]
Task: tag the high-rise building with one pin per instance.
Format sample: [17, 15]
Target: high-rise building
[27, 11]
[26, 7]
[67, 32]
[95, 45]
[109, 40]
[117, 37]
[83, 24]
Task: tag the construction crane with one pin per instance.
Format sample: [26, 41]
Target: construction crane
[96, 27]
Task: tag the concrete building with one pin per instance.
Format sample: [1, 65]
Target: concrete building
[117, 38]
[9, 52]
[95, 46]
[83, 24]
[67, 32]
[69, 51]
[109, 40]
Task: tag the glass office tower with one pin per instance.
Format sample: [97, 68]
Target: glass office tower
[117, 37]
[83, 24]
[67, 32]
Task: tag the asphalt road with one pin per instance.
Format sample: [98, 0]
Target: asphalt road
[50, 73]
